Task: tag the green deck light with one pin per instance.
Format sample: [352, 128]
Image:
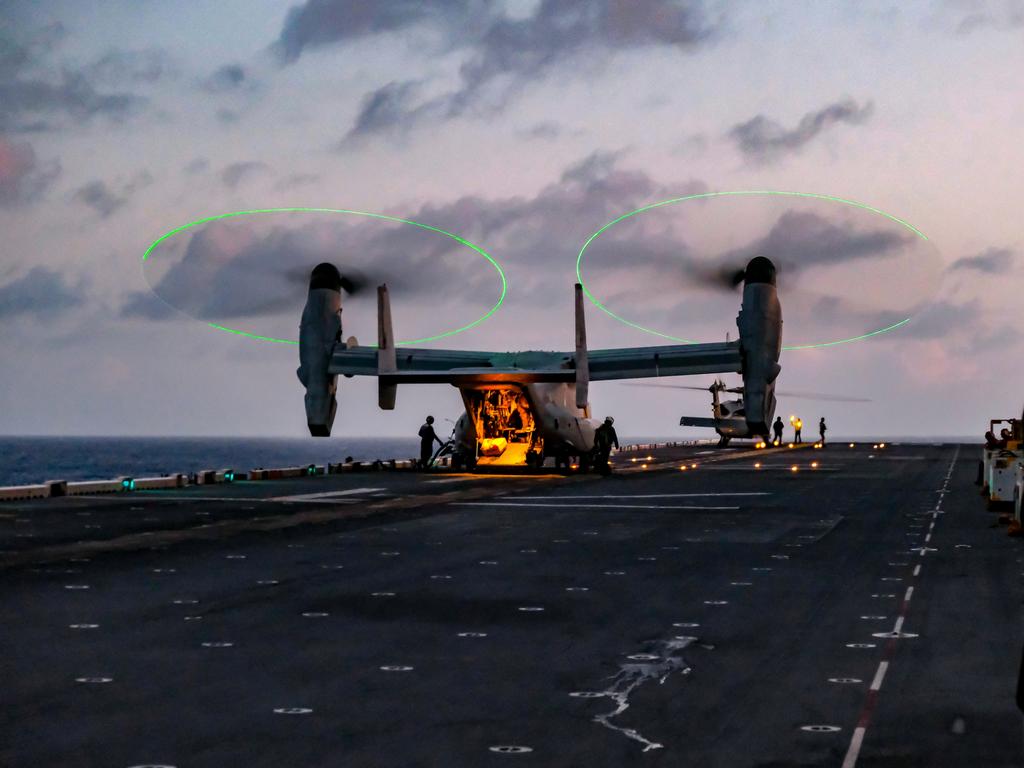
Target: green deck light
[703, 195]
[379, 216]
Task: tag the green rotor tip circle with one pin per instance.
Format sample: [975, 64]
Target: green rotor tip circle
[774, 192]
[379, 216]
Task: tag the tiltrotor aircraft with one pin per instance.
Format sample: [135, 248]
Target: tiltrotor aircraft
[522, 407]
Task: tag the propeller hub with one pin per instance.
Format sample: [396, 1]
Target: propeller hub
[760, 270]
[325, 275]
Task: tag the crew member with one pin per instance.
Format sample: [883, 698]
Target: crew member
[822, 428]
[515, 419]
[798, 424]
[604, 439]
[427, 438]
[777, 429]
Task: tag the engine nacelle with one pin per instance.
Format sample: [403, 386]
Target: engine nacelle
[319, 331]
[760, 326]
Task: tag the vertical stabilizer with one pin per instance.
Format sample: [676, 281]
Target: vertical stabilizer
[582, 362]
[386, 356]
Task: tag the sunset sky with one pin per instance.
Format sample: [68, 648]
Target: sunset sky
[524, 127]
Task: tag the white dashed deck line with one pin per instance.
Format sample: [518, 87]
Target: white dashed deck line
[883, 667]
[857, 741]
[855, 744]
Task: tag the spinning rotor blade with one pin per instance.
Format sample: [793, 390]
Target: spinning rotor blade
[720, 278]
[739, 391]
[353, 282]
[668, 386]
[820, 396]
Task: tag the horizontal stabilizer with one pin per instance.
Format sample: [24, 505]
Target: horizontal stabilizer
[697, 421]
[469, 376]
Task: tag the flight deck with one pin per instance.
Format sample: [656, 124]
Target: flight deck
[848, 606]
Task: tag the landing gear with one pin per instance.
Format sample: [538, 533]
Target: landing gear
[723, 441]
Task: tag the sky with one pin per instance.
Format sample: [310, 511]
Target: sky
[523, 127]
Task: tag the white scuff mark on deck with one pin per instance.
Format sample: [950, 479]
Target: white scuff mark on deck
[635, 674]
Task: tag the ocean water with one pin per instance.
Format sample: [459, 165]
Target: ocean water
[25, 460]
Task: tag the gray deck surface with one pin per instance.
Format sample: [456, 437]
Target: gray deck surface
[439, 620]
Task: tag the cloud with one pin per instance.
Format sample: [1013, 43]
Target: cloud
[943, 319]
[22, 178]
[25, 104]
[118, 67]
[317, 23]
[800, 240]
[228, 116]
[763, 140]
[29, 99]
[104, 199]
[389, 108]
[237, 269]
[991, 261]
[546, 130]
[990, 15]
[229, 77]
[32, 95]
[236, 173]
[297, 180]
[560, 29]
[146, 305]
[198, 165]
[501, 53]
[41, 294]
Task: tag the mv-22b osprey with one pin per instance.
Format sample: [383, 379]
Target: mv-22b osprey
[523, 407]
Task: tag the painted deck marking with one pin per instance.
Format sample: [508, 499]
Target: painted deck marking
[326, 495]
[857, 741]
[586, 506]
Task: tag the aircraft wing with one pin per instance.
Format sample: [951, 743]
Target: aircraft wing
[673, 360]
[449, 366]
[423, 366]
